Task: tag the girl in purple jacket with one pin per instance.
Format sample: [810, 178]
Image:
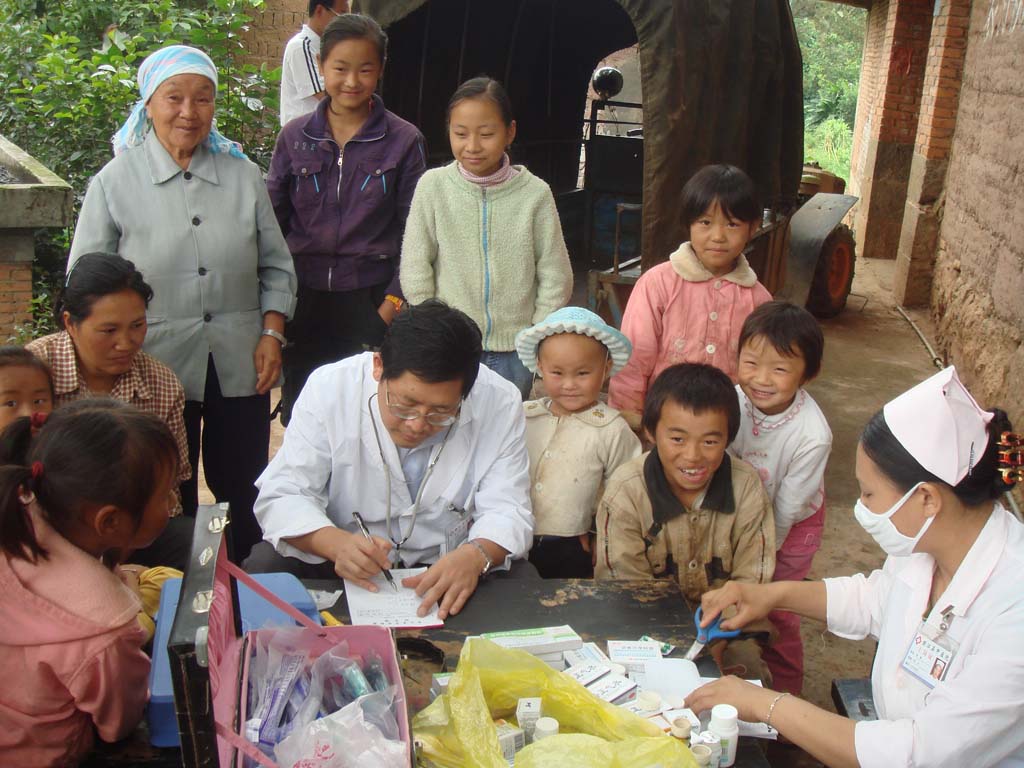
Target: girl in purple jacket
[341, 181]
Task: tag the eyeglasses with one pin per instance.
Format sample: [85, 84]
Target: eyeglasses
[408, 413]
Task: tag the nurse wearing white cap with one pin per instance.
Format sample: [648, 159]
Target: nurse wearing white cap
[947, 608]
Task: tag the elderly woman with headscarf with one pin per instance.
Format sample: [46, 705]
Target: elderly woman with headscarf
[185, 205]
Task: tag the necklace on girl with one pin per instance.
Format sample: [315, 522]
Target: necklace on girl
[757, 424]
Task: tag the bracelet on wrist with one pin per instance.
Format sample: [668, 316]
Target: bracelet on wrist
[487, 558]
[276, 335]
[771, 709]
[395, 300]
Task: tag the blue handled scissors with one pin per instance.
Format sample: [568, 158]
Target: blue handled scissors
[708, 634]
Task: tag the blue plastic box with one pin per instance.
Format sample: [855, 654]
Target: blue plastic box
[256, 614]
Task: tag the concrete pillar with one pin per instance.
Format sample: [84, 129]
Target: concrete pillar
[884, 154]
[915, 259]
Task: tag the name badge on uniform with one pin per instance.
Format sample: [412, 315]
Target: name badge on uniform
[931, 652]
[457, 532]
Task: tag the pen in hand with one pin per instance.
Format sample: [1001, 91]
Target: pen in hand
[366, 535]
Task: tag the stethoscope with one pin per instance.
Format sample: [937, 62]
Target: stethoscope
[387, 481]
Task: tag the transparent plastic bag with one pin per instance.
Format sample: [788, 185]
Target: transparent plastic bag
[457, 729]
[363, 733]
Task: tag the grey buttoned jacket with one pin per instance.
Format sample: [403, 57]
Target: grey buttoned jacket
[208, 243]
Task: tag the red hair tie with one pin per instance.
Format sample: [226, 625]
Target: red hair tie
[38, 419]
[37, 470]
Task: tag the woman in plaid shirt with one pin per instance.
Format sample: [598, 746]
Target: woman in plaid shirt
[99, 353]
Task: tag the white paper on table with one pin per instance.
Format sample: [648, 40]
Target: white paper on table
[386, 607]
[672, 679]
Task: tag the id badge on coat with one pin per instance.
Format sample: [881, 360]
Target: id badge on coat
[930, 654]
[457, 532]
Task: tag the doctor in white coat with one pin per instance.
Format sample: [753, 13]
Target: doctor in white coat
[427, 445]
[947, 608]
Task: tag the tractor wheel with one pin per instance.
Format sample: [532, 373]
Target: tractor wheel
[834, 275]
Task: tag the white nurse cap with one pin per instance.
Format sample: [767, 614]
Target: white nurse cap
[940, 425]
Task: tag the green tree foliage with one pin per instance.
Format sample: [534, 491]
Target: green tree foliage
[67, 79]
[832, 41]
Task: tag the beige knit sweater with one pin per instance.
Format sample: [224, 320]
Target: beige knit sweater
[496, 253]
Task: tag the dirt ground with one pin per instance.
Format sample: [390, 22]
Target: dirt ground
[871, 355]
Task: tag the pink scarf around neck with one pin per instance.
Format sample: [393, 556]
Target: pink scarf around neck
[500, 176]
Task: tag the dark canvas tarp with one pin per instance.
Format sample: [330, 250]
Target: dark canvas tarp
[721, 81]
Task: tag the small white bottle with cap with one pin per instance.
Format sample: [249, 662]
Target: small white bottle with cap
[712, 741]
[544, 727]
[724, 724]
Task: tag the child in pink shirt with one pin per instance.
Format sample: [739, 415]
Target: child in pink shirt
[95, 483]
[691, 308]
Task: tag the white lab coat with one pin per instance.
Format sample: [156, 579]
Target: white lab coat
[330, 466]
[975, 717]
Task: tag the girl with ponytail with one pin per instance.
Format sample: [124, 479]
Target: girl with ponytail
[95, 483]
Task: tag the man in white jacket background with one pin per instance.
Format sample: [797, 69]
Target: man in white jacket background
[427, 445]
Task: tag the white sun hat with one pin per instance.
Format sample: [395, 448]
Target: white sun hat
[573, 320]
[940, 425]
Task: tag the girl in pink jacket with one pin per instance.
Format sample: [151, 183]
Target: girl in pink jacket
[95, 483]
[691, 308]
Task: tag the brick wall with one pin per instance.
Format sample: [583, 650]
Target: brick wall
[940, 93]
[870, 75]
[886, 136]
[271, 29]
[978, 287]
[905, 50]
[942, 78]
[15, 296]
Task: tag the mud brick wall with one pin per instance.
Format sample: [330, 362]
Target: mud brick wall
[978, 286]
[271, 29]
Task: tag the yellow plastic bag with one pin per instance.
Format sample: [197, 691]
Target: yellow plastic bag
[457, 729]
[577, 750]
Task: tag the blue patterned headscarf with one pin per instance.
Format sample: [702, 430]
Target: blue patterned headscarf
[158, 67]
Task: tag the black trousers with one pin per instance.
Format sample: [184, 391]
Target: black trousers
[561, 557]
[328, 326]
[234, 433]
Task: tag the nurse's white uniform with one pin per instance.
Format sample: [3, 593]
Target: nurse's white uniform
[975, 717]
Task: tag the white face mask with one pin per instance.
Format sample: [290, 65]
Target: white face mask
[884, 532]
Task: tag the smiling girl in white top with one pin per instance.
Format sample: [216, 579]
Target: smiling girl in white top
[947, 608]
[785, 437]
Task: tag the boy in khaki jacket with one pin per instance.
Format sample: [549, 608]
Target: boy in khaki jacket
[688, 510]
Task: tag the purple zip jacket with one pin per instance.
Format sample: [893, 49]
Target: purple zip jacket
[343, 209]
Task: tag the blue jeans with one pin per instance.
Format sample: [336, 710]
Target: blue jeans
[510, 367]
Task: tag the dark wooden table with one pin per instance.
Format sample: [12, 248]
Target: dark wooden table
[597, 610]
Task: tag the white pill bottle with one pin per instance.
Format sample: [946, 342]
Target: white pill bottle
[724, 724]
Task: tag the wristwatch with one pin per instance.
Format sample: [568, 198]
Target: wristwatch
[276, 335]
[487, 558]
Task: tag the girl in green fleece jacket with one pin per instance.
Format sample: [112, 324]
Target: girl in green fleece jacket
[483, 235]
